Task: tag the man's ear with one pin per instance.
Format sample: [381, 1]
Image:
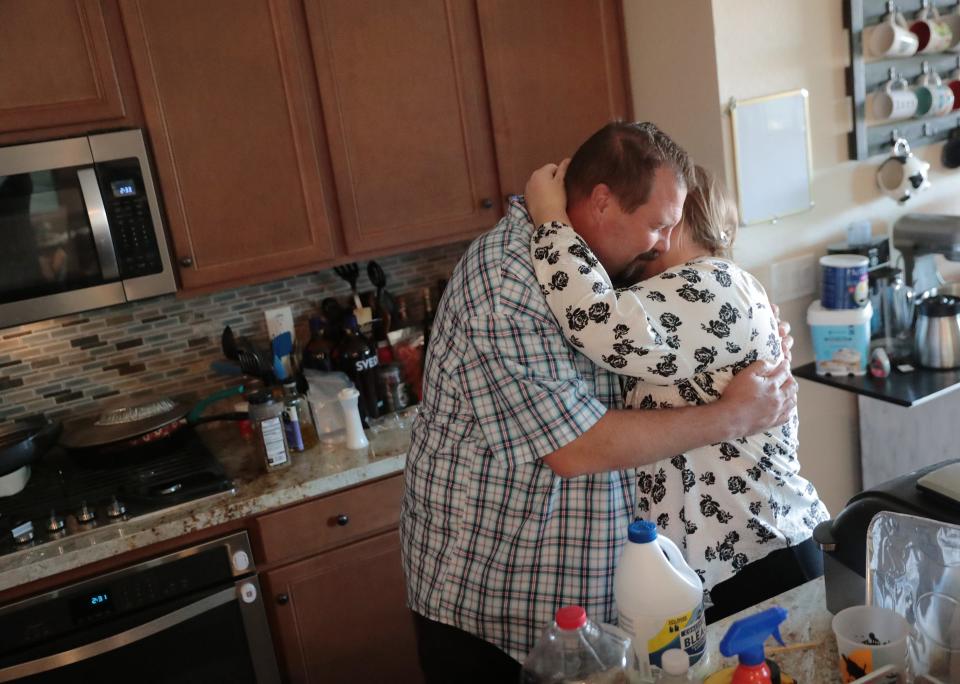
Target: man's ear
[600, 199]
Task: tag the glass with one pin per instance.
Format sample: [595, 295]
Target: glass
[48, 244]
[935, 643]
[870, 638]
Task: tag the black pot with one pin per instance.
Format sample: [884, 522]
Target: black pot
[24, 442]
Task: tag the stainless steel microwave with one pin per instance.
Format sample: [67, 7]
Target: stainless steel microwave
[80, 227]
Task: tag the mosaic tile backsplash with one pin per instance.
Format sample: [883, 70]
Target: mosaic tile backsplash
[165, 345]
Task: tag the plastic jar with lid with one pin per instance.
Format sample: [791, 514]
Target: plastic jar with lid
[266, 415]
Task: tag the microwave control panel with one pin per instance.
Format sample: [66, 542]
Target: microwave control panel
[128, 213]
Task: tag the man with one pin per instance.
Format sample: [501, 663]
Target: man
[519, 481]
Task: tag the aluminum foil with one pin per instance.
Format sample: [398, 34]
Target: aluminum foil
[908, 556]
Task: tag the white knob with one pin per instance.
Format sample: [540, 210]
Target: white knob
[348, 398]
[241, 561]
[248, 592]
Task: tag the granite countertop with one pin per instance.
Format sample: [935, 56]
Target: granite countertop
[811, 653]
[319, 470]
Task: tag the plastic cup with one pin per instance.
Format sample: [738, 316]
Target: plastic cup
[935, 642]
[869, 638]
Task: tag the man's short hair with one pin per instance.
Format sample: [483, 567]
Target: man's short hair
[625, 157]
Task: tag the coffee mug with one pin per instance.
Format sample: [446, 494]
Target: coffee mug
[902, 175]
[954, 83]
[894, 101]
[952, 20]
[892, 37]
[933, 34]
[933, 97]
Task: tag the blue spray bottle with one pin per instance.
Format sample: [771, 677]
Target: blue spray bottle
[745, 640]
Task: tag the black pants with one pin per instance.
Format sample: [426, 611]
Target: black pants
[775, 573]
[451, 656]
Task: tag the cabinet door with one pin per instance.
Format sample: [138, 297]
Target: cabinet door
[56, 68]
[557, 72]
[341, 616]
[230, 104]
[407, 119]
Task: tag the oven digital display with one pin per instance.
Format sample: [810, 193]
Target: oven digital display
[92, 605]
[123, 188]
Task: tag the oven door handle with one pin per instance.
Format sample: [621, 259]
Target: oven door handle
[112, 643]
[97, 215]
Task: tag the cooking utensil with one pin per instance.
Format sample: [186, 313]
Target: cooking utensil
[140, 423]
[937, 336]
[252, 364]
[228, 343]
[23, 442]
[350, 272]
[385, 306]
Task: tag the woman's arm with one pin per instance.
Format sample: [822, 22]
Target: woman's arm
[627, 331]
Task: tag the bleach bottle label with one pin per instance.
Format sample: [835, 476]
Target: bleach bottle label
[687, 631]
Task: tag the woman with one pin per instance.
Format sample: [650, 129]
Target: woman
[740, 509]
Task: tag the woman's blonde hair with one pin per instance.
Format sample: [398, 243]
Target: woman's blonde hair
[710, 214]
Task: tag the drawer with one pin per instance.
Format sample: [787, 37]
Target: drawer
[329, 521]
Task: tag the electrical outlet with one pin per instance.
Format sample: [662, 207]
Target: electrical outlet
[793, 278]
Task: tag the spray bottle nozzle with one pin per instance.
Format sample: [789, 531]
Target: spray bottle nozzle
[745, 637]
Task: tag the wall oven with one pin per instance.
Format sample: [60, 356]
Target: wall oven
[191, 616]
[80, 227]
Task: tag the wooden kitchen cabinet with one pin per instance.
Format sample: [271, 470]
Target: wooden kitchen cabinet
[57, 67]
[231, 111]
[556, 72]
[407, 119]
[334, 584]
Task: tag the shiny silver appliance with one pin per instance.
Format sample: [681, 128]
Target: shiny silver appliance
[80, 226]
[917, 235]
[193, 615]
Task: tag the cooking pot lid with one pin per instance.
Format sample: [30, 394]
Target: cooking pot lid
[939, 306]
[120, 423]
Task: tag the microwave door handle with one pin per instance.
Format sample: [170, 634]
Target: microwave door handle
[97, 214]
[112, 643]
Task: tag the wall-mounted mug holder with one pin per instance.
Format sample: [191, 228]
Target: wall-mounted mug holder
[868, 74]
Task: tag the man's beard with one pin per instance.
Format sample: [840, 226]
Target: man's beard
[634, 272]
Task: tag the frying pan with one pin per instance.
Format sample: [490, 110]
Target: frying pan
[23, 442]
[142, 423]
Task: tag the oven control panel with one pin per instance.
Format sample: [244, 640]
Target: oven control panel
[150, 590]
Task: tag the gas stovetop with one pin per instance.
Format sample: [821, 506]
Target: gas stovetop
[68, 494]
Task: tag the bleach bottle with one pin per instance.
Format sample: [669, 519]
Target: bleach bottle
[659, 597]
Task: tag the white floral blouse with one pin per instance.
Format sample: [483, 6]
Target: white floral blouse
[679, 338]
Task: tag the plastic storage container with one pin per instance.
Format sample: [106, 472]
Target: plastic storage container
[659, 597]
[841, 339]
[574, 650]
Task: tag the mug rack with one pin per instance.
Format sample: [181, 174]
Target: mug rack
[866, 74]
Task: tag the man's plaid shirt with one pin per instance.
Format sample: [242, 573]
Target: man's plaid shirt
[493, 542]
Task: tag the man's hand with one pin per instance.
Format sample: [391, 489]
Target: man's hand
[760, 397]
[545, 195]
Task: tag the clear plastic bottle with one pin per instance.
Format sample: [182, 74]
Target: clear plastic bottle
[574, 650]
[297, 421]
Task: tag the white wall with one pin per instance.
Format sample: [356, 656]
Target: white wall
[760, 48]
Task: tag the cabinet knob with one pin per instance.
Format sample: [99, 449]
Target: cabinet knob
[283, 599]
[486, 203]
[186, 262]
[343, 519]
